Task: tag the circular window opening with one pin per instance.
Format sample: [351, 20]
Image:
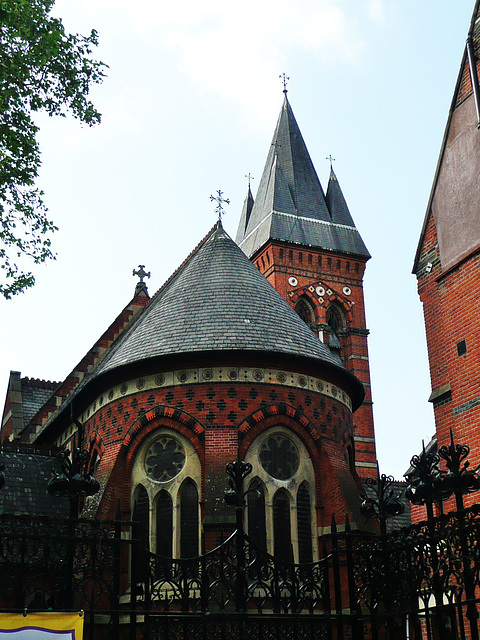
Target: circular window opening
[165, 459]
[279, 457]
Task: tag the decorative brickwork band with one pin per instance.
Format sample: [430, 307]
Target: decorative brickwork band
[178, 420]
[276, 410]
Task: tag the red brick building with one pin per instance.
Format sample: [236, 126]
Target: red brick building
[220, 365]
[447, 262]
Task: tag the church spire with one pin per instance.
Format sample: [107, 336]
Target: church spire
[290, 204]
[246, 210]
[337, 205]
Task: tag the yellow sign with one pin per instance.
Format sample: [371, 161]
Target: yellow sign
[41, 626]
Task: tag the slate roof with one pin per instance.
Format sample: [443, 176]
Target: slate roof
[217, 301]
[290, 204]
[25, 490]
[35, 394]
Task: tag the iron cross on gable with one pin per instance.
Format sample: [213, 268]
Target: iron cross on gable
[141, 273]
[220, 201]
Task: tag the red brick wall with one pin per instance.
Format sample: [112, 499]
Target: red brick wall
[451, 305]
[217, 418]
[278, 263]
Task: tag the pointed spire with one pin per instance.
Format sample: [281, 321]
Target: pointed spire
[289, 183]
[336, 202]
[245, 216]
[290, 203]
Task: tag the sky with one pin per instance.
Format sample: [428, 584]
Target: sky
[189, 107]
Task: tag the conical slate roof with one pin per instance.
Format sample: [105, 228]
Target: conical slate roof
[217, 301]
[290, 205]
[336, 202]
[246, 211]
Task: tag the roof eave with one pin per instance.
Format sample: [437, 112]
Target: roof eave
[97, 384]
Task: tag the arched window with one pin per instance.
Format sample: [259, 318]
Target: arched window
[164, 524]
[336, 322]
[256, 515]
[281, 465]
[304, 525]
[188, 520]
[167, 470]
[141, 532]
[141, 516]
[282, 530]
[304, 309]
[335, 318]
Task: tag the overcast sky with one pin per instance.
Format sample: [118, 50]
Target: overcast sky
[189, 106]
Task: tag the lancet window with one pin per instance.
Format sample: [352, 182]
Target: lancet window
[280, 510]
[166, 477]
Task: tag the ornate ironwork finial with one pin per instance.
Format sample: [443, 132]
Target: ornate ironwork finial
[141, 273]
[219, 210]
[429, 484]
[285, 79]
[250, 178]
[237, 472]
[383, 501]
[332, 160]
[458, 479]
[74, 480]
[424, 480]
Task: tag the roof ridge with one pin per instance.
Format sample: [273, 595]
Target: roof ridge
[40, 381]
[182, 265]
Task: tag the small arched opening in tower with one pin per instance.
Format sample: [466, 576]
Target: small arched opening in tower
[305, 310]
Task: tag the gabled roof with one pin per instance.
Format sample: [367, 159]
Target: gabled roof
[217, 301]
[463, 91]
[290, 204]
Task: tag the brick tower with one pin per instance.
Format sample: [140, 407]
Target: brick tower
[307, 246]
[447, 263]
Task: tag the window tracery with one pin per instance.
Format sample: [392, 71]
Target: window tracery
[281, 467]
[167, 475]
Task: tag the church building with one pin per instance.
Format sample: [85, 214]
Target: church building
[254, 350]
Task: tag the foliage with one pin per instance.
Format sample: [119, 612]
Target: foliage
[42, 69]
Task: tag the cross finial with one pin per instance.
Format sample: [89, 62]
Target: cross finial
[250, 178]
[285, 80]
[141, 273]
[332, 160]
[219, 200]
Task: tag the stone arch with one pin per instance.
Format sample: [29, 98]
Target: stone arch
[169, 417]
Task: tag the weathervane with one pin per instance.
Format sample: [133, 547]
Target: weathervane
[219, 200]
[332, 160]
[250, 178]
[285, 80]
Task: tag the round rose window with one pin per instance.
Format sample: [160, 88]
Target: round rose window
[165, 459]
[279, 457]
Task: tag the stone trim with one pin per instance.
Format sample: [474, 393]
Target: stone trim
[215, 375]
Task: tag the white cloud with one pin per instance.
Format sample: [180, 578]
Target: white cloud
[239, 49]
[376, 11]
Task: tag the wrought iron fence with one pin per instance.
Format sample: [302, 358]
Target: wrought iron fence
[420, 582]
